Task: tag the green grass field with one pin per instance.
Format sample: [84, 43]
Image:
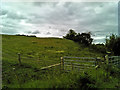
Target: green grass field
[40, 52]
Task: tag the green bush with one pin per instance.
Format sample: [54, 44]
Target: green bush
[99, 48]
[113, 44]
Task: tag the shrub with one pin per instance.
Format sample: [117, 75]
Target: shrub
[113, 44]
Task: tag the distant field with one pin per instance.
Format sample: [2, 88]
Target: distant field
[35, 54]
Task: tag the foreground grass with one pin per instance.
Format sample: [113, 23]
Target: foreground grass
[84, 80]
[41, 52]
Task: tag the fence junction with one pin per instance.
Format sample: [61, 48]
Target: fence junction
[68, 63]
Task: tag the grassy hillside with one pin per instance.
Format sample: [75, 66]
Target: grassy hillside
[36, 53]
[39, 52]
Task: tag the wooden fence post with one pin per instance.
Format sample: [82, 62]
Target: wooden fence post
[62, 63]
[107, 59]
[107, 63]
[118, 61]
[19, 59]
[96, 66]
[96, 62]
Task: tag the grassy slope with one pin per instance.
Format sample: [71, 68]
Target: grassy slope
[40, 51]
[35, 53]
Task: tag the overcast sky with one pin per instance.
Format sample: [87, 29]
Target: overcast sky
[54, 19]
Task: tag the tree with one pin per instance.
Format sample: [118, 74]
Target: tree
[116, 47]
[113, 44]
[83, 38]
[86, 38]
[110, 42]
[71, 35]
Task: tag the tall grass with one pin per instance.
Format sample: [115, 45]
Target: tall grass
[41, 52]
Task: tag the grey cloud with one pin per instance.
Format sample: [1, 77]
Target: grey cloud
[36, 32]
[9, 30]
[48, 33]
[6, 22]
[3, 12]
[39, 4]
[14, 15]
[29, 32]
[70, 12]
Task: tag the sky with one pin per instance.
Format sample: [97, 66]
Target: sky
[55, 19]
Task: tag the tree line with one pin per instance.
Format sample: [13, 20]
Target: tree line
[112, 43]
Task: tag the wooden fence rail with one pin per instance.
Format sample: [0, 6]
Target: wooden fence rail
[81, 62]
[114, 60]
[78, 62]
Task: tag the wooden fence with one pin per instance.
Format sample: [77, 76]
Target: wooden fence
[80, 63]
[114, 60]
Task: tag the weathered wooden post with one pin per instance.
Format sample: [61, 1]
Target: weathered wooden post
[98, 59]
[96, 66]
[96, 62]
[107, 62]
[62, 63]
[106, 58]
[19, 59]
[118, 61]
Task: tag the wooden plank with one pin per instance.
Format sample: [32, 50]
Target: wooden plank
[80, 61]
[113, 60]
[80, 57]
[115, 63]
[83, 64]
[79, 64]
[79, 70]
[114, 56]
[50, 66]
[68, 65]
[83, 68]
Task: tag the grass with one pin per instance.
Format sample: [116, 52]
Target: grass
[41, 52]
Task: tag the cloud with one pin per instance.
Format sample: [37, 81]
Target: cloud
[58, 17]
[3, 12]
[36, 32]
[48, 33]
